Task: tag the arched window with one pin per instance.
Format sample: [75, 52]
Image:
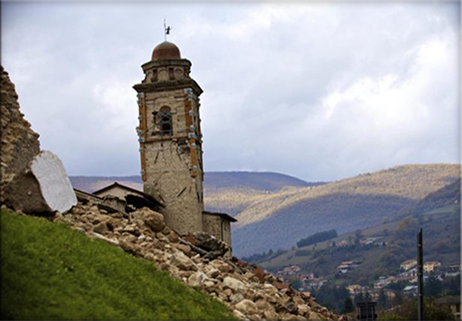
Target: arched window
[165, 121]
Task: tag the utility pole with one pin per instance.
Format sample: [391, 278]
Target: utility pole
[420, 306]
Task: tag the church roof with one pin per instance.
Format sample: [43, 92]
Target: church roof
[224, 215]
[166, 50]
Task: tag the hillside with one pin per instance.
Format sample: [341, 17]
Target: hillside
[379, 260]
[275, 210]
[399, 235]
[94, 183]
[279, 219]
[213, 181]
[445, 196]
[49, 271]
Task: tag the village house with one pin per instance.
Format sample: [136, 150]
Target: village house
[412, 272]
[368, 240]
[431, 266]
[346, 266]
[218, 225]
[355, 289]
[409, 264]
[289, 272]
[130, 195]
[410, 290]
[452, 270]
[317, 283]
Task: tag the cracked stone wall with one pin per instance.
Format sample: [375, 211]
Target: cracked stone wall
[19, 143]
[168, 163]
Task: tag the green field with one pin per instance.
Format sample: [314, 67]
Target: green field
[49, 271]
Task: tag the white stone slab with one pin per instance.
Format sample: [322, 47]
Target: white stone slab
[55, 186]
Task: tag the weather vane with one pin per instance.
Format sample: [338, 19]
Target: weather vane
[166, 30]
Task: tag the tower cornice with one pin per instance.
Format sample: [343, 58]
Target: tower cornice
[165, 63]
[169, 85]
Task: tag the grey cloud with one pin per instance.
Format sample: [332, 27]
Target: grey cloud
[266, 69]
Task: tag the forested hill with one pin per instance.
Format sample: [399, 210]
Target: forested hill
[276, 210]
[448, 195]
[279, 219]
[214, 182]
[94, 183]
[438, 215]
[265, 181]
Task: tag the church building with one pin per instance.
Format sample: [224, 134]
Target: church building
[170, 140]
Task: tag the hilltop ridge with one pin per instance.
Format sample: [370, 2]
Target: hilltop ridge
[277, 220]
[276, 210]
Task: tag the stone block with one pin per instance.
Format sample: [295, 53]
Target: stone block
[43, 188]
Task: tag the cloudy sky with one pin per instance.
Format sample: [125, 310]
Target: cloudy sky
[317, 91]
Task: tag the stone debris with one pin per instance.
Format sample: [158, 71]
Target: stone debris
[19, 143]
[248, 291]
[214, 247]
[43, 188]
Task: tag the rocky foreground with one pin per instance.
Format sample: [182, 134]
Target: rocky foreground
[245, 289]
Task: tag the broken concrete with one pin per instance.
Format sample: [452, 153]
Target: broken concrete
[43, 188]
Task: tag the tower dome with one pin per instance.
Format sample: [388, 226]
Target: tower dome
[166, 50]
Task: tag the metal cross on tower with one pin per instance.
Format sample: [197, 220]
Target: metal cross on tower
[166, 30]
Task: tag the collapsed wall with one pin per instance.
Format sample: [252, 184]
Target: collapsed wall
[30, 181]
[19, 143]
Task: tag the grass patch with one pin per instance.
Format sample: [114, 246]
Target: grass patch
[49, 271]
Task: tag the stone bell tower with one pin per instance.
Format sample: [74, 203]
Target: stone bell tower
[170, 137]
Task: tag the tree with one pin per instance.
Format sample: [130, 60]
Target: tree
[350, 239]
[359, 297]
[408, 311]
[442, 246]
[317, 237]
[433, 287]
[348, 306]
[295, 283]
[406, 229]
[382, 299]
[398, 299]
[451, 285]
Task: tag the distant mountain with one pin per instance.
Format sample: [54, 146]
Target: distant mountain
[438, 214]
[94, 183]
[448, 195]
[279, 219]
[264, 181]
[275, 210]
[213, 181]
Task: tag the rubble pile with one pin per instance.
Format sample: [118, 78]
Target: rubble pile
[246, 289]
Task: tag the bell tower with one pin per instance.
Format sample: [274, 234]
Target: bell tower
[170, 137]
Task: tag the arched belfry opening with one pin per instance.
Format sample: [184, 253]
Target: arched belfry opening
[165, 121]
